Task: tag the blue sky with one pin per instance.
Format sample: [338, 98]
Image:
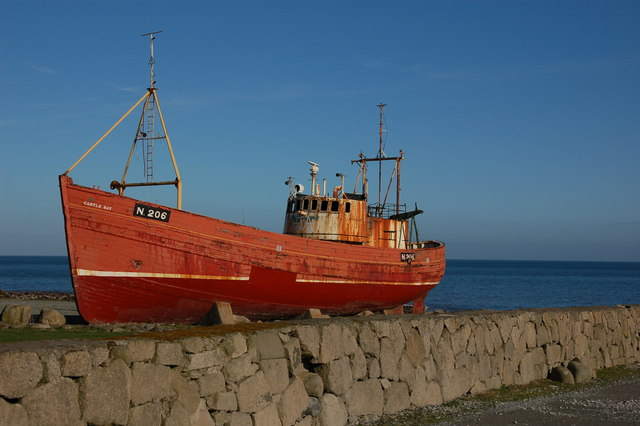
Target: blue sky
[520, 120]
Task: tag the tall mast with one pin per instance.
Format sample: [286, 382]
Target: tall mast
[381, 106]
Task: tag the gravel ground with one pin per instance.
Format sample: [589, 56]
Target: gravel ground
[614, 402]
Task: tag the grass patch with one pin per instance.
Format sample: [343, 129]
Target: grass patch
[85, 333]
[470, 404]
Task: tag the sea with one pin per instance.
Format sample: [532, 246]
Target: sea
[467, 284]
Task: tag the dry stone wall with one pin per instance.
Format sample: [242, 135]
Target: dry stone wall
[322, 372]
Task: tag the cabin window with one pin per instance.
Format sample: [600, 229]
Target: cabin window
[323, 205]
[298, 204]
[306, 204]
[290, 207]
[335, 205]
[347, 207]
[314, 204]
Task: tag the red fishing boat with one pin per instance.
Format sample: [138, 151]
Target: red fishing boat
[137, 261]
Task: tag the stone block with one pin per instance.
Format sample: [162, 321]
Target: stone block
[561, 374]
[314, 313]
[211, 383]
[526, 368]
[220, 313]
[99, 356]
[455, 384]
[414, 347]
[76, 364]
[337, 375]
[373, 368]
[313, 384]
[309, 340]
[239, 419]
[240, 367]
[51, 371]
[202, 416]
[253, 393]
[149, 382]
[276, 372]
[313, 407]
[418, 395]
[268, 416]
[53, 404]
[234, 345]
[293, 353]
[396, 398]
[168, 353]
[358, 364]
[389, 359]
[204, 359]
[331, 343]
[16, 314]
[434, 394]
[105, 394]
[293, 403]
[192, 345]
[52, 318]
[141, 350]
[20, 372]
[223, 401]
[365, 398]
[269, 345]
[334, 412]
[12, 414]
[186, 392]
[369, 342]
[553, 353]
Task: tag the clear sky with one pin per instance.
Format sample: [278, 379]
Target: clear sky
[520, 120]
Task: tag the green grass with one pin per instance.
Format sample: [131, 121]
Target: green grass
[85, 333]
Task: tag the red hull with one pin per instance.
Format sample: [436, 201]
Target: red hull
[174, 266]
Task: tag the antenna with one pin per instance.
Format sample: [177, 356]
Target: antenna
[152, 59]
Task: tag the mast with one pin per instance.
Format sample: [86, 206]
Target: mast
[145, 132]
[380, 153]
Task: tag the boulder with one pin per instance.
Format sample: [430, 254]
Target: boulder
[561, 374]
[52, 318]
[16, 314]
[581, 373]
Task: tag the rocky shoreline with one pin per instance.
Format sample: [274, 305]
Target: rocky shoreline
[37, 295]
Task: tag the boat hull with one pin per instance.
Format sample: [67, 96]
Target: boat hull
[133, 261]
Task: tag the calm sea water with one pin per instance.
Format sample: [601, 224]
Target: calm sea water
[468, 284]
